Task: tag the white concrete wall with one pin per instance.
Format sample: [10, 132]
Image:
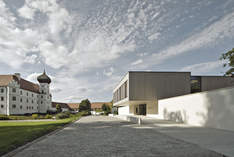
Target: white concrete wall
[212, 109]
[123, 110]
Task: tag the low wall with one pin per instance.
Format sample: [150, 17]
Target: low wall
[212, 109]
[128, 118]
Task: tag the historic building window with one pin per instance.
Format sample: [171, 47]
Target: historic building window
[27, 100]
[27, 93]
[21, 100]
[41, 102]
[13, 106]
[21, 107]
[21, 93]
[42, 96]
[13, 90]
[14, 98]
[2, 98]
[42, 91]
[32, 95]
[27, 107]
[32, 101]
[2, 106]
[2, 90]
[32, 107]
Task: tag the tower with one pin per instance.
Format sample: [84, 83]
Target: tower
[44, 97]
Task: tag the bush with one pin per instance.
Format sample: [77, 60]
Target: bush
[4, 117]
[48, 116]
[62, 116]
[67, 113]
[35, 116]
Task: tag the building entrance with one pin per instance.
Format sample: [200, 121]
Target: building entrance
[142, 109]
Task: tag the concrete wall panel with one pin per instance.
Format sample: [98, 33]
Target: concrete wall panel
[212, 109]
[215, 82]
[157, 85]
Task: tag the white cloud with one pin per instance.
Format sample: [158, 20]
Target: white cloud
[109, 72]
[33, 77]
[202, 68]
[30, 59]
[214, 33]
[26, 12]
[139, 61]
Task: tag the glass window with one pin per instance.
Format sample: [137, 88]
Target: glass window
[2, 106]
[13, 90]
[27, 100]
[27, 93]
[13, 106]
[21, 93]
[2, 98]
[21, 107]
[195, 84]
[14, 98]
[2, 90]
[32, 95]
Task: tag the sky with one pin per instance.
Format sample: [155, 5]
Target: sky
[87, 46]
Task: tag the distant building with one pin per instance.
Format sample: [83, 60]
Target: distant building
[19, 96]
[139, 91]
[64, 106]
[75, 106]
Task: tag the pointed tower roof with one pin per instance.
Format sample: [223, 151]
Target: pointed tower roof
[43, 78]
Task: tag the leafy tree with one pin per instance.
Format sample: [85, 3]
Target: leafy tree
[85, 105]
[106, 108]
[229, 57]
[58, 108]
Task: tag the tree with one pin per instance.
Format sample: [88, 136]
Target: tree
[229, 57]
[85, 105]
[106, 108]
[58, 108]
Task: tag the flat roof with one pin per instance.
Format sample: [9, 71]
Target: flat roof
[160, 71]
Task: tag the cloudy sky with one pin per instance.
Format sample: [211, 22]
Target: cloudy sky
[87, 46]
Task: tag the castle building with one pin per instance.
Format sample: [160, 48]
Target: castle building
[19, 96]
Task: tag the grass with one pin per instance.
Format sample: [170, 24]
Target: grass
[15, 134]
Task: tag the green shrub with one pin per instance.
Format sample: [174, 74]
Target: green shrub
[62, 116]
[35, 116]
[4, 117]
[67, 113]
[48, 116]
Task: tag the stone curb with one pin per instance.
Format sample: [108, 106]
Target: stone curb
[21, 148]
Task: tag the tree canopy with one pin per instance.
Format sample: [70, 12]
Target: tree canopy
[229, 57]
[106, 108]
[85, 105]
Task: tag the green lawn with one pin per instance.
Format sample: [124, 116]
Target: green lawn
[15, 134]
